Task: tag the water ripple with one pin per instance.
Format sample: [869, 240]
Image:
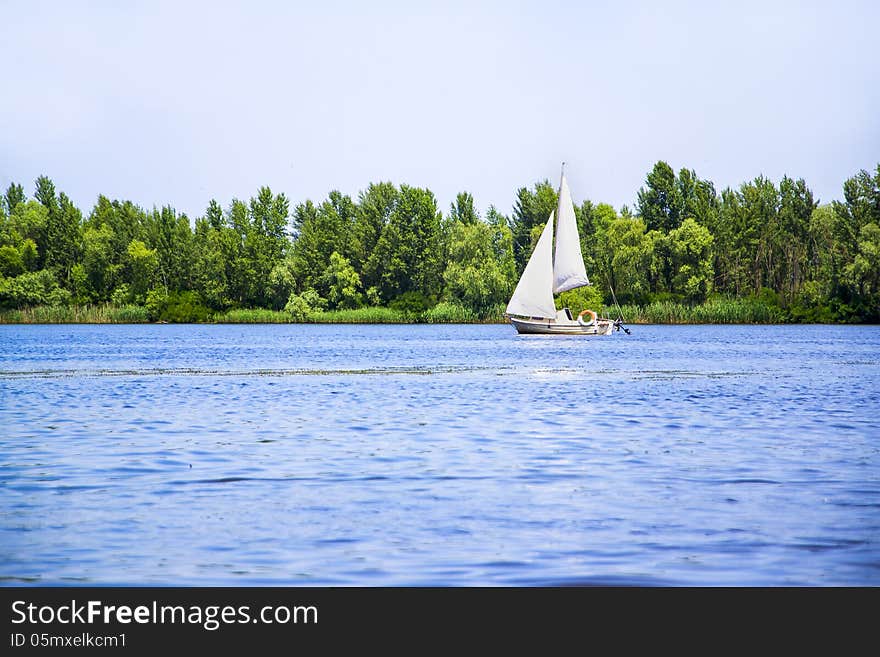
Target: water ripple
[439, 455]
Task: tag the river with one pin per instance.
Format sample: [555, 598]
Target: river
[386, 455]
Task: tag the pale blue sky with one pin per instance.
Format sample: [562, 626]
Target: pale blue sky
[179, 102]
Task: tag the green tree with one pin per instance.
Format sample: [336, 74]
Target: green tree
[11, 263]
[664, 203]
[26, 223]
[98, 262]
[209, 267]
[792, 240]
[659, 202]
[696, 198]
[624, 254]
[462, 209]
[823, 260]
[269, 213]
[126, 221]
[309, 247]
[62, 229]
[591, 221]
[27, 289]
[44, 192]
[64, 247]
[691, 248]
[407, 256]
[319, 232]
[13, 196]
[29, 256]
[855, 230]
[217, 252]
[240, 266]
[745, 237]
[864, 271]
[143, 266]
[216, 246]
[266, 242]
[171, 236]
[502, 244]
[374, 208]
[342, 283]
[477, 275]
[214, 215]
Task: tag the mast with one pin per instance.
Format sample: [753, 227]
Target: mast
[558, 208]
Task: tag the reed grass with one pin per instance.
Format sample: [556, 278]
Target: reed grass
[714, 311]
[449, 313]
[253, 316]
[452, 313]
[88, 314]
[371, 315]
[130, 314]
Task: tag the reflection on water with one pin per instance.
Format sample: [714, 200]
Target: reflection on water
[461, 455]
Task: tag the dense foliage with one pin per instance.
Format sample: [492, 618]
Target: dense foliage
[761, 252]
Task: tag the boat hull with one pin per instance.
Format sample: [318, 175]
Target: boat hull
[556, 327]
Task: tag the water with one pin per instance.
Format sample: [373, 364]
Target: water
[439, 455]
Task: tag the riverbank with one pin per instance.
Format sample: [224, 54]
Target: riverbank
[720, 311]
[442, 313]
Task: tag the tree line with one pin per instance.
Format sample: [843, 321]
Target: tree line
[392, 246]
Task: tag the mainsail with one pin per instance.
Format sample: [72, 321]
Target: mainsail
[568, 264]
[533, 296]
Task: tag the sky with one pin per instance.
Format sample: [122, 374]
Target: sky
[180, 102]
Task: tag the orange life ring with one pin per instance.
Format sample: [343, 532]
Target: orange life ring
[592, 321]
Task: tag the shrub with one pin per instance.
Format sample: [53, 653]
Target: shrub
[413, 303]
[121, 295]
[185, 308]
[300, 306]
[59, 297]
[28, 289]
[177, 307]
[11, 263]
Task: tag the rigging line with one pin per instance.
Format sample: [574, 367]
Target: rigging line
[619, 321]
[614, 296]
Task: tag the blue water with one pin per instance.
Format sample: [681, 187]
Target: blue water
[439, 455]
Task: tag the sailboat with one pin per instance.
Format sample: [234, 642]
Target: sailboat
[554, 267]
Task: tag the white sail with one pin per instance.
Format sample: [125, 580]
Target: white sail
[568, 264]
[533, 296]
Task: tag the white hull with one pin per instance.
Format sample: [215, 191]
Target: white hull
[561, 327]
